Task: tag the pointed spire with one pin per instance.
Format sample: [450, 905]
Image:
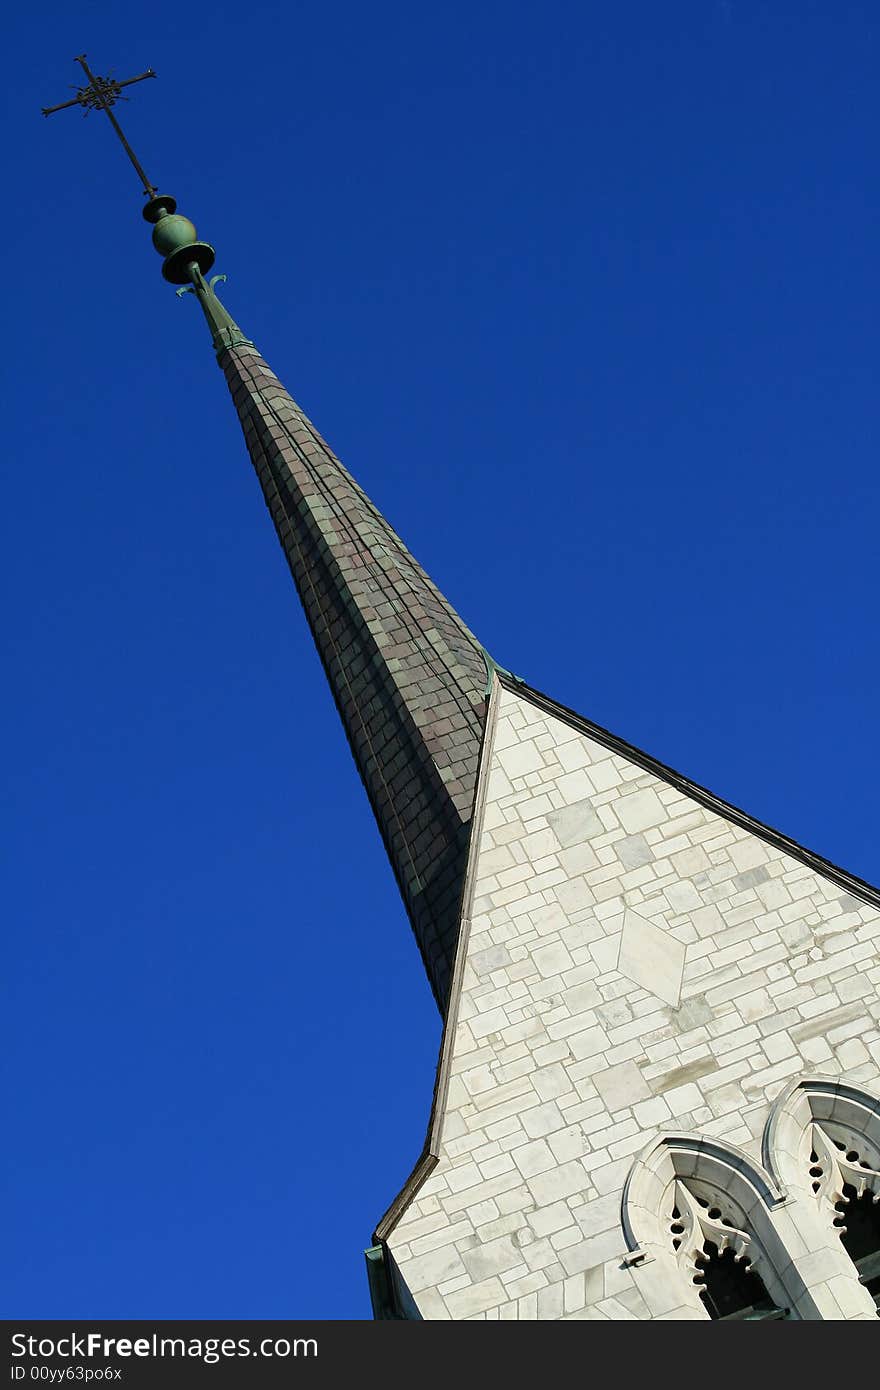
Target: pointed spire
[409, 679]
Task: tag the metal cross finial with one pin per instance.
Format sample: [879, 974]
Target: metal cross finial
[100, 94]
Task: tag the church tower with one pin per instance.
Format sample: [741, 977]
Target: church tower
[657, 1094]
[657, 1085]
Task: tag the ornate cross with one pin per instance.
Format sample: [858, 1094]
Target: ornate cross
[100, 94]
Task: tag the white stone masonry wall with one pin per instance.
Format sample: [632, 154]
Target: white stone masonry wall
[635, 964]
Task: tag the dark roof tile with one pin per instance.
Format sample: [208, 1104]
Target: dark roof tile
[407, 676]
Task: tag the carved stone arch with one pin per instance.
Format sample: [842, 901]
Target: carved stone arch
[721, 1196]
[846, 1113]
[720, 1168]
[822, 1139]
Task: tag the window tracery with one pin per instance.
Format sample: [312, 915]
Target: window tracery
[797, 1236]
[713, 1217]
[822, 1138]
[843, 1176]
[716, 1255]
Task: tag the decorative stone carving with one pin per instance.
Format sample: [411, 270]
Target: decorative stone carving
[834, 1168]
[694, 1223]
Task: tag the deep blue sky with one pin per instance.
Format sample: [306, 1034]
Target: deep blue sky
[586, 296]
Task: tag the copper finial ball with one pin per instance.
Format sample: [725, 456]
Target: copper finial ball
[175, 238]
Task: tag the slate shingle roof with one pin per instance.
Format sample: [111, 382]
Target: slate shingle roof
[408, 678]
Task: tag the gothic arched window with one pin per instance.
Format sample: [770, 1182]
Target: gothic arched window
[824, 1136]
[841, 1173]
[717, 1256]
[714, 1221]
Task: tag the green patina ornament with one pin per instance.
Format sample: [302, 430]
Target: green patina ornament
[175, 238]
[172, 232]
[179, 268]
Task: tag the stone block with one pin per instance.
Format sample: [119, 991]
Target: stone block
[591, 1042]
[550, 1219]
[622, 1086]
[633, 851]
[640, 810]
[542, 1119]
[651, 957]
[574, 786]
[575, 824]
[605, 1246]
[476, 1299]
[552, 959]
[652, 1113]
[519, 759]
[493, 1257]
[558, 1182]
[534, 1157]
[748, 853]
[433, 1268]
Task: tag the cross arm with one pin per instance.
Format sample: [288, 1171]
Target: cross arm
[109, 88]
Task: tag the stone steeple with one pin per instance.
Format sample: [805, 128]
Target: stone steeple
[408, 678]
[410, 681]
[662, 1031]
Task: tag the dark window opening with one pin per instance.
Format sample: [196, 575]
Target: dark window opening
[731, 1289]
[859, 1225]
